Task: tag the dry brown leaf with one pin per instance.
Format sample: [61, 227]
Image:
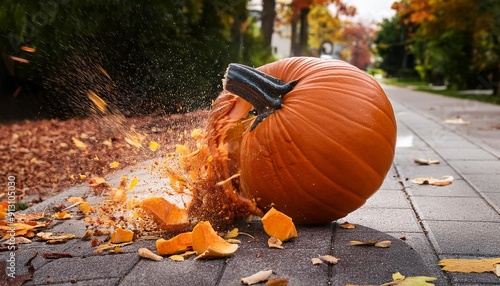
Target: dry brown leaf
[146, 253]
[274, 242]
[258, 277]
[458, 121]
[176, 257]
[54, 239]
[316, 261]
[62, 215]
[347, 225]
[372, 242]
[330, 259]
[422, 161]
[383, 244]
[98, 102]
[277, 282]
[470, 265]
[109, 246]
[79, 144]
[446, 180]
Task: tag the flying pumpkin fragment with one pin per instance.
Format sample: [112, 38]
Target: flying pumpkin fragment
[166, 215]
[177, 244]
[121, 235]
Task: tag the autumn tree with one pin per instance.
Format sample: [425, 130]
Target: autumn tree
[359, 36]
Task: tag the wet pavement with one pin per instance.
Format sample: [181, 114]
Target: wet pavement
[424, 223]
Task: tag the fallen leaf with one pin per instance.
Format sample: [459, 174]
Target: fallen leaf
[458, 121]
[56, 255]
[114, 165]
[98, 102]
[277, 282]
[176, 257]
[316, 261]
[372, 242]
[330, 259]
[232, 233]
[274, 242]
[422, 161]
[446, 180]
[153, 146]
[383, 244]
[62, 215]
[134, 182]
[79, 144]
[75, 200]
[347, 225]
[470, 265]
[109, 246]
[258, 277]
[146, 253]
[401, 280]
[53, 239]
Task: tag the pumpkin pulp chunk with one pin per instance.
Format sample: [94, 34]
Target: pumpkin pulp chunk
[279, 225]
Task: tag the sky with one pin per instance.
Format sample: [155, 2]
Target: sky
[372, 10]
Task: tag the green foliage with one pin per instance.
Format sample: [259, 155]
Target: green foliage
[139, 56]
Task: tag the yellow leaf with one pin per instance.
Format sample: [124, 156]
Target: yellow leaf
[79, 144]
[62, 215]
[153, 145]
[232, 233]
[134, 182]
[84, 207]
[114, 165]
[469, 265]
[98, 102]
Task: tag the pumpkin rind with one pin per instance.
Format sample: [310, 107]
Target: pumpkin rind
[327, 149]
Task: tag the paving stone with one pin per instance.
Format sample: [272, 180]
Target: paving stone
[465, 154]
[391, 181]
[362, 265]
[388, 220]
[292, 264]
[477, 166]
[494, 200]
[450, 208]
[458, 188]
[408, 157]
[484, 182]
[168, 272]
[388, 199]
[93, 282]
[408, 173]
[63, 270]
[464, 237]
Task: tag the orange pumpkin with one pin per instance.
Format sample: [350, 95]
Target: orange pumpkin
[322, 142]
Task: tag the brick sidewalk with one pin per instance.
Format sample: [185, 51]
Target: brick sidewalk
[457, 221]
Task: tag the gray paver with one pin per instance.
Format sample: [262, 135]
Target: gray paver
[484, 182]
[477, 166]
[458, 188]
[465, 237]
[455, 209]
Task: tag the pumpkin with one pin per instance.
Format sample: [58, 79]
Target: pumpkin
[165, 214]
[321, 143]
[121, 235]
[179, 243]
[207, 244]
[279, 225]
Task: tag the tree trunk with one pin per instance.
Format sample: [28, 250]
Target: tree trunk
[304, 31]
[293, 41]
[267, 21]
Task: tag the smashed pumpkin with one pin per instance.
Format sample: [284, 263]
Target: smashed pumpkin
[179, 243]
[207, 244]
[279, 225]
[165, 214]
[321, 143]
[121, 235]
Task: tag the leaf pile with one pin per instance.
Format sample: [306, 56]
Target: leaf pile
[48, 156]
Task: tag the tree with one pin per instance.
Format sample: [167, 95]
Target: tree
[165, 56]
[360, 37]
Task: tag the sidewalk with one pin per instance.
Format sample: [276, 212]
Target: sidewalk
[424, 223]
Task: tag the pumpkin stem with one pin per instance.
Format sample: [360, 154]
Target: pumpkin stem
[261, 90]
